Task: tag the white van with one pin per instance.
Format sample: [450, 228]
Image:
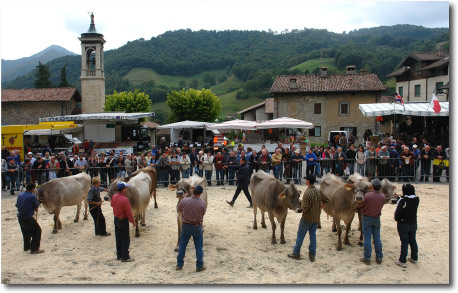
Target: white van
[334, 133]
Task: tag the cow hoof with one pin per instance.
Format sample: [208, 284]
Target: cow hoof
[339, 248]
[347, 243]
[255, 227]
[318, 227]
[75, 221]
[274, 242]
[137, 235]
[360, 244]
[54, 231]
[282, 242]
[85, 219]
[264, 226]
[60, 227]
[334, 229]
[155, 206]
[143, 224]
[176, 249]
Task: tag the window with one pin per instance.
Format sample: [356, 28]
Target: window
[401, 91]
[418, 90]
[317, 108]
[439, 85]
[350, 130]
[315, 131]
[344, 108]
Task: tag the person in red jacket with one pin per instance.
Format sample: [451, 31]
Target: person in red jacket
[122, 216]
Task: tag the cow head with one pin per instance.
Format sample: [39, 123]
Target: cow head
[358, 186]
[389, 190]
[183, 188]
[112, 189]
[291, 197]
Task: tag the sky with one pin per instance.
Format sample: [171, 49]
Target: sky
[28, 27]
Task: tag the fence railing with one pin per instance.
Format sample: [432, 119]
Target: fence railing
[288, 172]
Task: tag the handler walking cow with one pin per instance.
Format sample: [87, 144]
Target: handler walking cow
[95, 201]
[311, 209]
[243, 177]
[272, 196]
[26, 204]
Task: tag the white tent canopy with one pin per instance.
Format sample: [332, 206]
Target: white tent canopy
[99, 116]
[412, 109]
[78, 128]
[235, 124]
[284, 122]
[186, 124]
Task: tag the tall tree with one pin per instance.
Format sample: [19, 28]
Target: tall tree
[42, 76]
[63, 77]
[194, 105]
[128, 102]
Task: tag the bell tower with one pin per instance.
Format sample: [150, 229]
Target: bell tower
[92, 73]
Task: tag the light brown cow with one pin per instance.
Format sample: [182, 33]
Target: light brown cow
[151, 171]
[271, 195]
[343, 199]
[138, 193]
[65, 191]
[184, 188]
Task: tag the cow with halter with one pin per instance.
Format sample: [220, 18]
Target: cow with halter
[184, 188]
[152, 173]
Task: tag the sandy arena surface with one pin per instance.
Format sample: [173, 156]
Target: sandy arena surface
[233, 252]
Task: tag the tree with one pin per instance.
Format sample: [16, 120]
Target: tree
[194, 105]
[194, 84]
[42, 76]
[128, 102]
[63, 77]
[182, 84]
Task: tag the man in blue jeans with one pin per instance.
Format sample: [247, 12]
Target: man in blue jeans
[371, 208]
[311, 208]
[193, 209]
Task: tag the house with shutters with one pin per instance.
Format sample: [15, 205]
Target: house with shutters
[421, 74]
[329, 101]
[27, 106]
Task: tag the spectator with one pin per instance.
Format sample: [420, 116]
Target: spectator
[111, 169]
[4, 185]
[128, 164]
[45, 150]
[208, 167]
[80, 164]
[153, 160]
[12, 170]
[286, 161]
[439, 156]
[254, 161]
[370, 162]
[343, 142]
[92, 163]
[351, 138]
[218, 160]
[426, 156]
[26, 173]
[360, 160]
[311, 158]
[163, 170]
[193, 158]
[53, 166]
[276, 162]
[416, 162]
[120, 165]
[383, 156]
[407, 164]
[174, 163]
[39, 167]
[297, 159]
[180, 142]
[102, 165]
[86, 146]
[5, 153]
[340, 159]
[395, 163]
[232, 164]
[328, 160]
[185, 165]
[264, 161]
[336, 140]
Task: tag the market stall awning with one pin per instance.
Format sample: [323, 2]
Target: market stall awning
[284, 122]
[186, 124]
[78, 128]
[99, 116]
[412, 109]
[235, 124]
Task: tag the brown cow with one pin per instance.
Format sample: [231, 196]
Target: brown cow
[65, 191]
[343, 199]
[272, 196]
[184, 188]
[151, 171]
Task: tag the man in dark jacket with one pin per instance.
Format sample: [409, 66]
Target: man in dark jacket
[438, 163]
[426, 155]
[406, 216]
[243, 177]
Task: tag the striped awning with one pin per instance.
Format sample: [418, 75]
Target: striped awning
[412, 109]
[284, 122]
[235, 124]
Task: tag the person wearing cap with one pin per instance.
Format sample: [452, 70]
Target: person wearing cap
[95, 207]
[406, 217]
[426, 156]
[297, 159]
[11, 169]
[371, 209]
[311, 204]
[27, 203]
[383, 156]
[193, 209]
[122, 212]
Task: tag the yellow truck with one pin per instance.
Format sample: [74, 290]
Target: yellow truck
[16, 137]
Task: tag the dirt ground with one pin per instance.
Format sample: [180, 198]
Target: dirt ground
[233, 252]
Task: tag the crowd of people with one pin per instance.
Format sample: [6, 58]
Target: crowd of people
[392, 159]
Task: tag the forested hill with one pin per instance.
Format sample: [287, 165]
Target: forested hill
[250, 56]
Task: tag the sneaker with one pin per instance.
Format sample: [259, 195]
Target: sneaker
[294, 256]
[311, 257]
[412, 260]
[230, 203]
[202, 268]
[378, 261]
[178, 268]
[401, 264]
[130, 259]
[38, 251]
[366, 261]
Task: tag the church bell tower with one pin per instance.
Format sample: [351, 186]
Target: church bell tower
[92, 74]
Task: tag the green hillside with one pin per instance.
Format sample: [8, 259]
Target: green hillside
[310, 65]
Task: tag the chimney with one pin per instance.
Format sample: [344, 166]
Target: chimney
[324, 71]
[362, 71]
[292, 83]
[351, 69]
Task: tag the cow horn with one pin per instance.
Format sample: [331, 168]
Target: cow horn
[348, 186]
[172, 187]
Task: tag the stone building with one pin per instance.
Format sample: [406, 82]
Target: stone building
[329, 101]
[259, 112]
[27, 106]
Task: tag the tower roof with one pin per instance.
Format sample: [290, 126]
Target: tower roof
[91, 32]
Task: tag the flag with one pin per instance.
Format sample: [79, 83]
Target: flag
[398, 99]
[435, 104]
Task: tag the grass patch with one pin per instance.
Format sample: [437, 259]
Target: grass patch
[231, 84]
[311, 64]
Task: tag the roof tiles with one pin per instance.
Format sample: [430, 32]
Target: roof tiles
[38, 95]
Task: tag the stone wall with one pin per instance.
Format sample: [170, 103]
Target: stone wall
[92, 95]
[302, 107]
[29, 112]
